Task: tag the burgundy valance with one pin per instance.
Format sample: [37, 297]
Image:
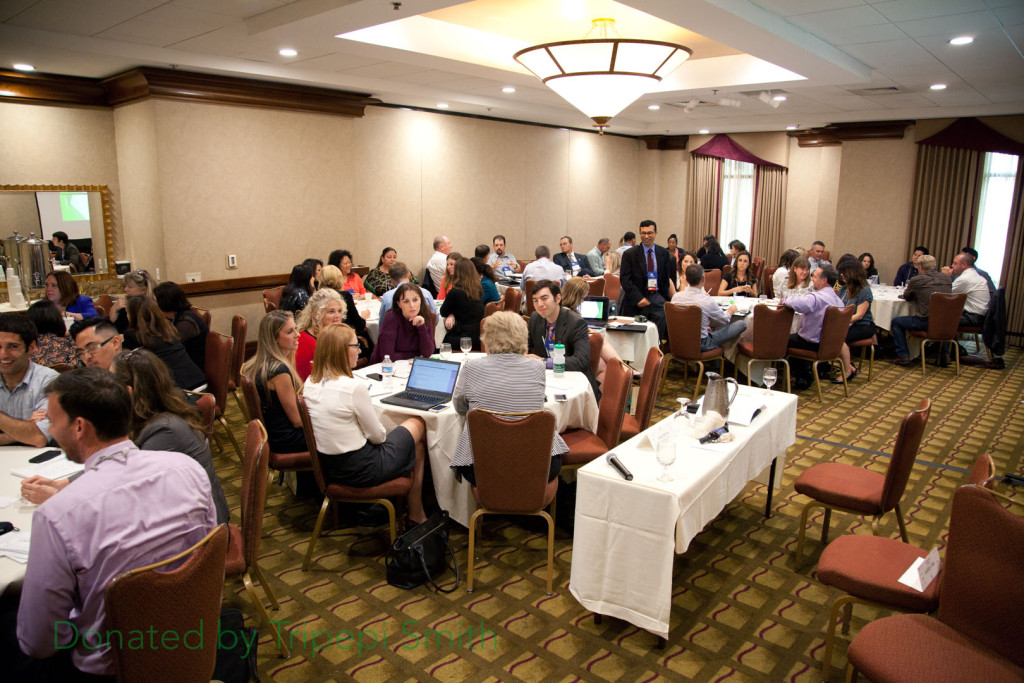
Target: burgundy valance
[970, 133]
[724, 147]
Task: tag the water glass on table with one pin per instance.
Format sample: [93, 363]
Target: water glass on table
[466, 344]
[446, 351]
[665, 453]
[770, 375]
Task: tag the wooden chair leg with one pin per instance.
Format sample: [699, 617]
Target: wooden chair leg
[902, 524]
[471, 559]
[316, 533]
[845, 603]
[789, 383]
[825, 524]
[700, 376]
[817, 381]
[234, 441]
[241, 405]
[255, 568]
[551, 549]
[851, 673]
[262, 612]
[798, 560]
[924, 344]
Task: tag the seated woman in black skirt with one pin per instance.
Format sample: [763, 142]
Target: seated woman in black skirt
[855, 291]
[272, 373]
[463, 307]
[354, 447]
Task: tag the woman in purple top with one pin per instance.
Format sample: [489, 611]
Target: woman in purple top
[62, 290]
[407, 330]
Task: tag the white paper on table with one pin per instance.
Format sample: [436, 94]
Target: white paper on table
[742, 410]
[15, 545]
[57, 468]
[377, 388]
[5, 501]
[922, 572]
[557, 383]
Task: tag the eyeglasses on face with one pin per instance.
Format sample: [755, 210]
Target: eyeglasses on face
[91, 348]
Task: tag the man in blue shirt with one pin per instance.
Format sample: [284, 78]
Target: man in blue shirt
[24, 384]
[399, 274]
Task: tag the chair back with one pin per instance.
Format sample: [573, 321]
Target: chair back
[683, 324]
[513, 299]
[769, 284]
[493, 307]
[984, 472]
[596, 345]
[506, 482]
[726, 269]
[255, 467]
[611, 286]
[179, 601]
[105, 303]
[207, 405]
[218, 367]
[834, 328]
[771, 331]
[239, 331]
[314, 454]
[757, 267]
[528, 294]
[361, 271]
[944, 311]
[618, 378]
[825, 256]
[252, 399]
[983, 573]
[908, 440]
[650, 383]
[712, 281]
[596, 287]
[272, 298]
[205, 314]
[427, 282]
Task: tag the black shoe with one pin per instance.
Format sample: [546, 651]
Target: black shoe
[849, 378]
[801, 383]
[372, 516]
[903, 361]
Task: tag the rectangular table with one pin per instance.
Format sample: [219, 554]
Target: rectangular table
[627, 532]
[632, 347]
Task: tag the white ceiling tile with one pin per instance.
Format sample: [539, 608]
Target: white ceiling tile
[889, 53]
[337, 61]
[786, 8]
[242, 9]
[384, 70]
[429, 77]
[82, 17]
[864, 34]
[909, 10]
[860, 15]
[951, 25]
[229, 40]
[147, 33]
[1011, 15]
[11, 8]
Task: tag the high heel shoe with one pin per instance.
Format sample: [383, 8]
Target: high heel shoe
[849, 378]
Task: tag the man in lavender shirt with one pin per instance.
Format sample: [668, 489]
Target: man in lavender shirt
[95, 528]
[812, 308]
[711, 314]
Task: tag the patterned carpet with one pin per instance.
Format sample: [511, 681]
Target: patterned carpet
[741, 611]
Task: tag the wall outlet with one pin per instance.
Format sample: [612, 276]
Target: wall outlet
[193, 277]
[232, 260]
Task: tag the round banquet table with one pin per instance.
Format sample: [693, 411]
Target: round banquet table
[579, 410]
[632, 347]
[886, 304]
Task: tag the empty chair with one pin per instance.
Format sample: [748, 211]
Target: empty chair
[218, 368]
[833, 335]
[944, 311]
[272, 298]
[513, 298]
[712, 281]
[596, 346]
[859, 491]
[769, 285]
[650, 382]
[244, 546]
[684, 324]
[612, 286]
[184, 599]
[585, 445]
[507, 483]
[335, 493]
[977, 632]
[239, 331]
[596, 287]
[771, 339]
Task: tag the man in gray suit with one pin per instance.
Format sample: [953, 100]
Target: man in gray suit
[552, 324]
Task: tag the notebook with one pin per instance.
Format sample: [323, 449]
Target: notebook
[431, 382]
[594, 310]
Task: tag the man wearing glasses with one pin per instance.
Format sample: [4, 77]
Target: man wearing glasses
[647, 278]
[96, 341]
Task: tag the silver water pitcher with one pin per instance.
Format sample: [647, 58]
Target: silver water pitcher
[717, 397]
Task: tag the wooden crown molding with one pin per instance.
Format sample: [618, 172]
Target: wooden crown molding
[143, 83]
[838, 133]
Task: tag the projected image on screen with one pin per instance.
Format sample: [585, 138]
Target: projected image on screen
[74, 206]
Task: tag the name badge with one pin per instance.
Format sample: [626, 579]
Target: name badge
[652, 280]
[922, 572]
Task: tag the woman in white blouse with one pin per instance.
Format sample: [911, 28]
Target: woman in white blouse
[799, 281]
[781, 274]
[354, 447]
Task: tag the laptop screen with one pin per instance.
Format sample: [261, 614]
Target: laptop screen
[595, 308]
[428, 374]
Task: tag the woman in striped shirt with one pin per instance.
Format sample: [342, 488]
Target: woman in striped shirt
[505, 336]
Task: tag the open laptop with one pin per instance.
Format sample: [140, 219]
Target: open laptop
[594, 310]
[431, 382]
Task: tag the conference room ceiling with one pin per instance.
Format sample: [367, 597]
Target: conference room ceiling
[834, 60]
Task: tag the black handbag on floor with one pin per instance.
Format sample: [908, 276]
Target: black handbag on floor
[420, 555]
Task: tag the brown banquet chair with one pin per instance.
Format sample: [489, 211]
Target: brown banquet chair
[977, 632]
[612, 286]
[596, 346]
[684, 324]
[864, 345]
[860, 491]
[205, 314]
[281, 462]
[769, 284]
[513, 298]
[584, 445]
[834, 328]
[239, 331]
[272, 298]
[771, 339]
[512, 485]
[712, 281]
[944, 311]
[528, 296]
[103, 304]
[218, 369]
[596, 287]
[493, 307]
[647, 395]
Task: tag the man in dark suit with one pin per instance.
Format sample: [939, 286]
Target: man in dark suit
[646, 276]
[569, 260]
[552, 324]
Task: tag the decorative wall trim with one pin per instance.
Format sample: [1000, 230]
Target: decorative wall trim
[230, 286]
[19, 86]
[837, 133]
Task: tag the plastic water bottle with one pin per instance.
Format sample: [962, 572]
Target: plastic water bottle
[559, 359]
[387, 371]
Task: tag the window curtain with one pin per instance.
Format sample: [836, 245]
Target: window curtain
[947, 193]
[705, 188]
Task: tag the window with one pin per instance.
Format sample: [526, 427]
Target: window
[737, 216]
[997, 183]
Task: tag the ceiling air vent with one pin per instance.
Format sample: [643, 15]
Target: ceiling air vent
[874, 92]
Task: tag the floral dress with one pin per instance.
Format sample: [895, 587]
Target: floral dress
[54, 350]
[378, 282]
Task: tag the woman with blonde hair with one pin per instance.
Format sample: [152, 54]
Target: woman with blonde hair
[149, 328]
[463, 308]
[136, 283]
[612, 261]
[799, 281]
[272, 372]
[332, 278]
[325, 308]
[505, 334]
[353, 446]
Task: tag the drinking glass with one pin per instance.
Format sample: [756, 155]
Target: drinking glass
[446, 351]
[769, 377]
[466, 344]
[666, 455]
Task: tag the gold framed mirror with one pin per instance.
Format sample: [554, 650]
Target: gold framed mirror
[77, 210]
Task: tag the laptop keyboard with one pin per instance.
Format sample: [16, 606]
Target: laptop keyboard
[413, 396]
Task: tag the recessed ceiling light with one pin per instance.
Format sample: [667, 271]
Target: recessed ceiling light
[442, 105]
[779, 98]
[790, 127]
[508, 89]
[704, 131]
[938, 86]
[24, 67]
[287, 52]
[654, 107]
[961, 40]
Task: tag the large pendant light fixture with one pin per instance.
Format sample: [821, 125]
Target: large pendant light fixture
[602, 75]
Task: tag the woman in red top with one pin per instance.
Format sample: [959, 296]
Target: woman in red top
[350, 282]
[325, 308]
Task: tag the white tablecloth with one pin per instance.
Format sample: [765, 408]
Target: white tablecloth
[887, 304]
[628, 531]
[632, 347]
[444, 428]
